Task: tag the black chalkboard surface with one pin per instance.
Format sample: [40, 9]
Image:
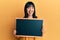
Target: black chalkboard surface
[29, 27]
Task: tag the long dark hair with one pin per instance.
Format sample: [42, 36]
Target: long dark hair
[28, 4]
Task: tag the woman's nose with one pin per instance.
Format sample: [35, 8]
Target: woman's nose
[30, 9]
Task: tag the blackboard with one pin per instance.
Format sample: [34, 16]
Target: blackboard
[29, 27]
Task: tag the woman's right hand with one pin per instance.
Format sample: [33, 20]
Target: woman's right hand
[14, 32]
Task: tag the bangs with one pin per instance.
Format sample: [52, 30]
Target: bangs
[29, 4]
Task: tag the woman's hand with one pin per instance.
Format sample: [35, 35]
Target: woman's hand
[14, 32]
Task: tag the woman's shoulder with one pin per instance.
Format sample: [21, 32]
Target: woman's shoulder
[30, 18]
[24, 18]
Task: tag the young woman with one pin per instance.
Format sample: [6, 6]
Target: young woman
[29, 14]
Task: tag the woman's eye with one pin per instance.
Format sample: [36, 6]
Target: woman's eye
[28, 8]
[32, 7]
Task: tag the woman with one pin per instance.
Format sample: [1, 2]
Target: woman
[29, 14]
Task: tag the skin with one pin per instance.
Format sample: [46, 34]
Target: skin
[30, 11]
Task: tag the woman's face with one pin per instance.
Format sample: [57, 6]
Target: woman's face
[30, 10]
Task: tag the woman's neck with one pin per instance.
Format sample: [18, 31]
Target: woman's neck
[30, 17]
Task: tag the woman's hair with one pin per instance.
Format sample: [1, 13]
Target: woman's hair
[28, 4]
